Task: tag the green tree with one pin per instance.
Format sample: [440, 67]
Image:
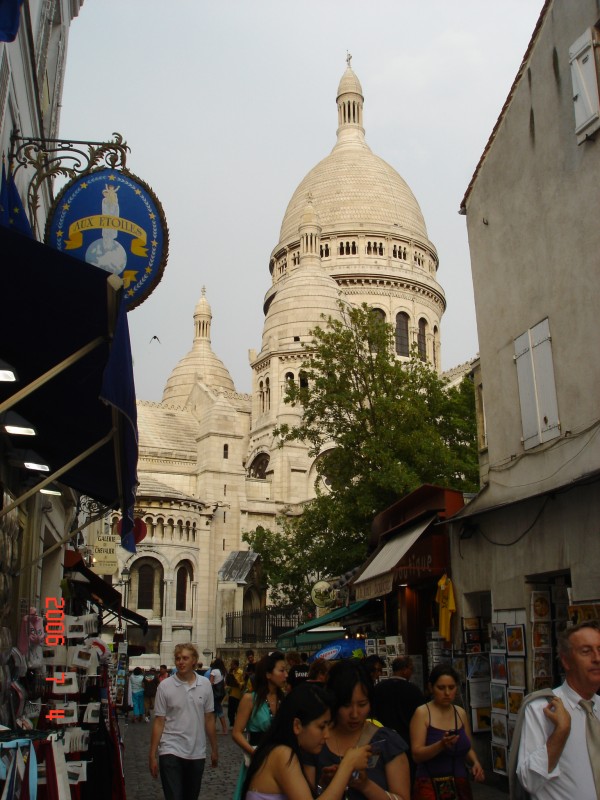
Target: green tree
[379, 428]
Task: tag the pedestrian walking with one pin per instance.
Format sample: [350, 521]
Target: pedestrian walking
[183, 720]
[136, 681]
[150, 687]
[235, 689]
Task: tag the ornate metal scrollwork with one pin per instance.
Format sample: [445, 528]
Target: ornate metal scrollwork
[51, 158]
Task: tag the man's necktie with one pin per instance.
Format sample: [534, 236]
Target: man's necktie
[592, 734]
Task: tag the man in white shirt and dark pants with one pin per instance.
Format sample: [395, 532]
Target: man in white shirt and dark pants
[559, 751]
[183, 720]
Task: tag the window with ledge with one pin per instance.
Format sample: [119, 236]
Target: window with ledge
[402, 342]
[537, 388]
[584, 60]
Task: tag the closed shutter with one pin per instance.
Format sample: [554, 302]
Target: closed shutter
[527, 398]
[543, 370]
[584, 76]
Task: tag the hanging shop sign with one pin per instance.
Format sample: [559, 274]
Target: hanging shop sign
[323, 594]
[104, 554]
[113, 220]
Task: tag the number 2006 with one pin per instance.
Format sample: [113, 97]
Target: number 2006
[55, 621]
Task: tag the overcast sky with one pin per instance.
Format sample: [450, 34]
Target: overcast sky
[226, 106]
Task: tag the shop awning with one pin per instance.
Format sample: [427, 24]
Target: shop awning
[333, 616]
[64, 329]
[377, 577]
[101, 593]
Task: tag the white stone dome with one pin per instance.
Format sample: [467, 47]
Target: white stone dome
[200, 364]
[352, 186]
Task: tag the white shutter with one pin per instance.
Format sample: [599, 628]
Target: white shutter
[584, 75]
[527, 394]
[543, 371]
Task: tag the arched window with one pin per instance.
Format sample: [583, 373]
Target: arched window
[181, 589]
[353, 248]
[402, 343]
[422, 339]
[258, 468]
[145, 598]
[267, 394]
[436, 345]
[368, 248]
[303, 380]
[225, 451]
[379, 313]
[380, 249]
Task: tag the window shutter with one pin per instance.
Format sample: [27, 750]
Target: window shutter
[584, 76]
[543, 370]
[527, 398]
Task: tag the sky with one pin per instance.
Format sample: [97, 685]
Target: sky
[227, 104]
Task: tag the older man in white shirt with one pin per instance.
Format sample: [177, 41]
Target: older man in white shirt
[555, 762]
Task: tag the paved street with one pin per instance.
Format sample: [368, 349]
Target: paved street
[217, 784]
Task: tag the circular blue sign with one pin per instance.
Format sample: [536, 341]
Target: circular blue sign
[113, 220]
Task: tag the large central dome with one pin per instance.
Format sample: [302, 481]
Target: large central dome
[352, 184]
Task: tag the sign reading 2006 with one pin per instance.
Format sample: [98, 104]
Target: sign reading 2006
[113, 220]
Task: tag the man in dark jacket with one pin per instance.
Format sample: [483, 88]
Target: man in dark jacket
[395, 700]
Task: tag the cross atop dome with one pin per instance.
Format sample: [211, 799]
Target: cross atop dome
[349, 59]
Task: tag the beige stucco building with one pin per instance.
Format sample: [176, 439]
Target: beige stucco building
[209, 466]
[532, 217]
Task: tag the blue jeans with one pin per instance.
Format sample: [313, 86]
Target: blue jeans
[181, 778]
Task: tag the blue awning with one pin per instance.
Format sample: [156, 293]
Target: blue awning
[63, 327]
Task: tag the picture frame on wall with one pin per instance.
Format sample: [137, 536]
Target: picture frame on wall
[542, 664]
[499, 759]
[515, 640]
[470, 623]
[498, 698]
[479, 693]
[541, 635]
[498, 671]
[498, 637]
[500, 729]
[540, 606]
[515, 700]
[481, 719]
[517, 676]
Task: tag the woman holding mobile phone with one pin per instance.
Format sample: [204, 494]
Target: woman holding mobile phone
[387, 776]
[440, 739]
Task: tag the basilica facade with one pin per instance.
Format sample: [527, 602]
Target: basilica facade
[209, 466]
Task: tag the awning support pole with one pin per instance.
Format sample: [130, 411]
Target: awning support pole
[58, 368]
[58, 473]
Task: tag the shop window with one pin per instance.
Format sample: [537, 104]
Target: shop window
[537, 389]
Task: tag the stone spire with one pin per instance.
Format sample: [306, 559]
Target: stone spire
[310, 236]
[350, 102]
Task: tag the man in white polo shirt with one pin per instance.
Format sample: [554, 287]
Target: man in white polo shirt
[183, 720]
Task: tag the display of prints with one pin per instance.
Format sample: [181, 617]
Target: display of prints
[499, 729]
[472, 636]
[498, 638]
[499, 759]
[475, 647]
[541, 633]
[478, 666]
[540, 606]
[498, 697]
[459, 664]
[542, 664]
[498, 668]
[517, 677]
[582, 613]
[481, 719]
[479, 693]
[515, 640]
[515, 700]
[470, 623]
[510, 728]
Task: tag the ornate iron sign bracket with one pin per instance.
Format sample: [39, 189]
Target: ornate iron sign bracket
[51, 158]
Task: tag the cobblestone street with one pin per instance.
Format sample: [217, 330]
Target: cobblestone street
[217, 784]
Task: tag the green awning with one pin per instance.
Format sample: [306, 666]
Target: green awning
[310, 640]
[336, 614]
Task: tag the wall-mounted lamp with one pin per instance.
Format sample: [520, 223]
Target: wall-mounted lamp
[16, 425]
[28, 459]
[7, 372]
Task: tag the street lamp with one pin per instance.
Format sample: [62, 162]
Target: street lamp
[125, 580]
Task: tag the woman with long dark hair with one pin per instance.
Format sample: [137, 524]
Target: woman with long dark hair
[387, 776]
[218, 673]
[440, 739]
[258, 708]
[300, 728]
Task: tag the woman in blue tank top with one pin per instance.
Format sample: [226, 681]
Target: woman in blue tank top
[440, 739]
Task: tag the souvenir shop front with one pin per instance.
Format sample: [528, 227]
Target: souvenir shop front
[409, 569]
[66, 375]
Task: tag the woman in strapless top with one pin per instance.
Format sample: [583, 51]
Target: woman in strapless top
[300, 728]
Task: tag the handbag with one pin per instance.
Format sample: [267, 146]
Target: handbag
[444, 787]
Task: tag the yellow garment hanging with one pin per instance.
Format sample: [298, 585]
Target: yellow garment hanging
[445, 599]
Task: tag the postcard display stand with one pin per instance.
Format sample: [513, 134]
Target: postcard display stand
[388, 647]
[71, 727]
[477, 672]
